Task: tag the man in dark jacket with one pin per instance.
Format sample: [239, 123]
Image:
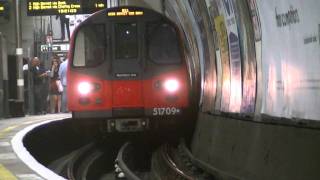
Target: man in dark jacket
[39, 75]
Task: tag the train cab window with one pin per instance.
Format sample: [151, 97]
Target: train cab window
[89, 46]
[163, 44]
[126, 40]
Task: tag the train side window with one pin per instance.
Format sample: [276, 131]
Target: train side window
[89, 46]
[163, 44]
[126, 40]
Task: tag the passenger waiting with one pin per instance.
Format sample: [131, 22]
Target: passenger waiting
[39, 76]
[63, 78]
[55, 86]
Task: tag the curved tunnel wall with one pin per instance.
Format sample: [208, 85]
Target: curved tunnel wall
[258, 66]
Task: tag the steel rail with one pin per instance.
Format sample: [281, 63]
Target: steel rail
[123, 166]
[76, 159]
[163, 166]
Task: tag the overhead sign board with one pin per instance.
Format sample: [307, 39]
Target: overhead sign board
[55, 48]
[3, 7]
[63, 7]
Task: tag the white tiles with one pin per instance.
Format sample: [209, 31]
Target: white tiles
[4, 144]
[29, 177]
[7, 156]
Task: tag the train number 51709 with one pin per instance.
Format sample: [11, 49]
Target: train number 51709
[165, 111]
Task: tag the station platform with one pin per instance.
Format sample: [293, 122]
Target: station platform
[12, 167]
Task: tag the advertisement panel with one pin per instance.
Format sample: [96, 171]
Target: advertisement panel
[248, 56]
[255, 19]
[290, 58]
[202, 19]
[227, 7]
[224, 56]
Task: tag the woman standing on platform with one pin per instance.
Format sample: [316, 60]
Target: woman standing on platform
[55, 86]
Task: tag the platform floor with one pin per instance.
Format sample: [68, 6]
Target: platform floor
[11, 166]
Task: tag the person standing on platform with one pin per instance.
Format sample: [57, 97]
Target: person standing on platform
[38, 76]
[63, 78]
[55, 89]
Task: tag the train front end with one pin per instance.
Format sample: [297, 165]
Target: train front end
[127, 70]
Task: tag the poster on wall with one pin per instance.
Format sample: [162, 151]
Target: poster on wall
[213, 12]
[255, 19]
[224, 54]
[248, 56]
[228, 10]
[202, 19]
[290, 58]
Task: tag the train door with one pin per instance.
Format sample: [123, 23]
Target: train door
[126, 65]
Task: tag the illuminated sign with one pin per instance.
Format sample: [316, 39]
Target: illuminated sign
[3, 8]
[55, 48]
[125, 12]
[62, 7]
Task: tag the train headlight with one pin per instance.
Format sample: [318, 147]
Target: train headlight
[85, 88]
[171, 85]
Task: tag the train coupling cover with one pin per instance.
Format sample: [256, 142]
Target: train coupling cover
[128, 124]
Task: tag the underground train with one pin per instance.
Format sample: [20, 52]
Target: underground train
[127, 70]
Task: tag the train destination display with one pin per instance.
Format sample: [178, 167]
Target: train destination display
[125, 12]
[63, 7]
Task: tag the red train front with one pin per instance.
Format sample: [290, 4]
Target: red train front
[127, 68]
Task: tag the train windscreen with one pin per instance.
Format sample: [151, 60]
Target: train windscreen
[163, 44]
[126, 40]
[90, 46]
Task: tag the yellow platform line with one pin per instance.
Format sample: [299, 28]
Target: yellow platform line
[10, 128]
[5, 174]
[7, 130]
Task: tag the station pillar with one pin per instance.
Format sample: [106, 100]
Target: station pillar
[17, 106]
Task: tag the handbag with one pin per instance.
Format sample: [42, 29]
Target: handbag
[59, 85]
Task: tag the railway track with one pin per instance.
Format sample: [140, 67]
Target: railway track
[106, 157]
[161, 164]
[88, 162]
[132, 161]
[164, 167]
[82, 162]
